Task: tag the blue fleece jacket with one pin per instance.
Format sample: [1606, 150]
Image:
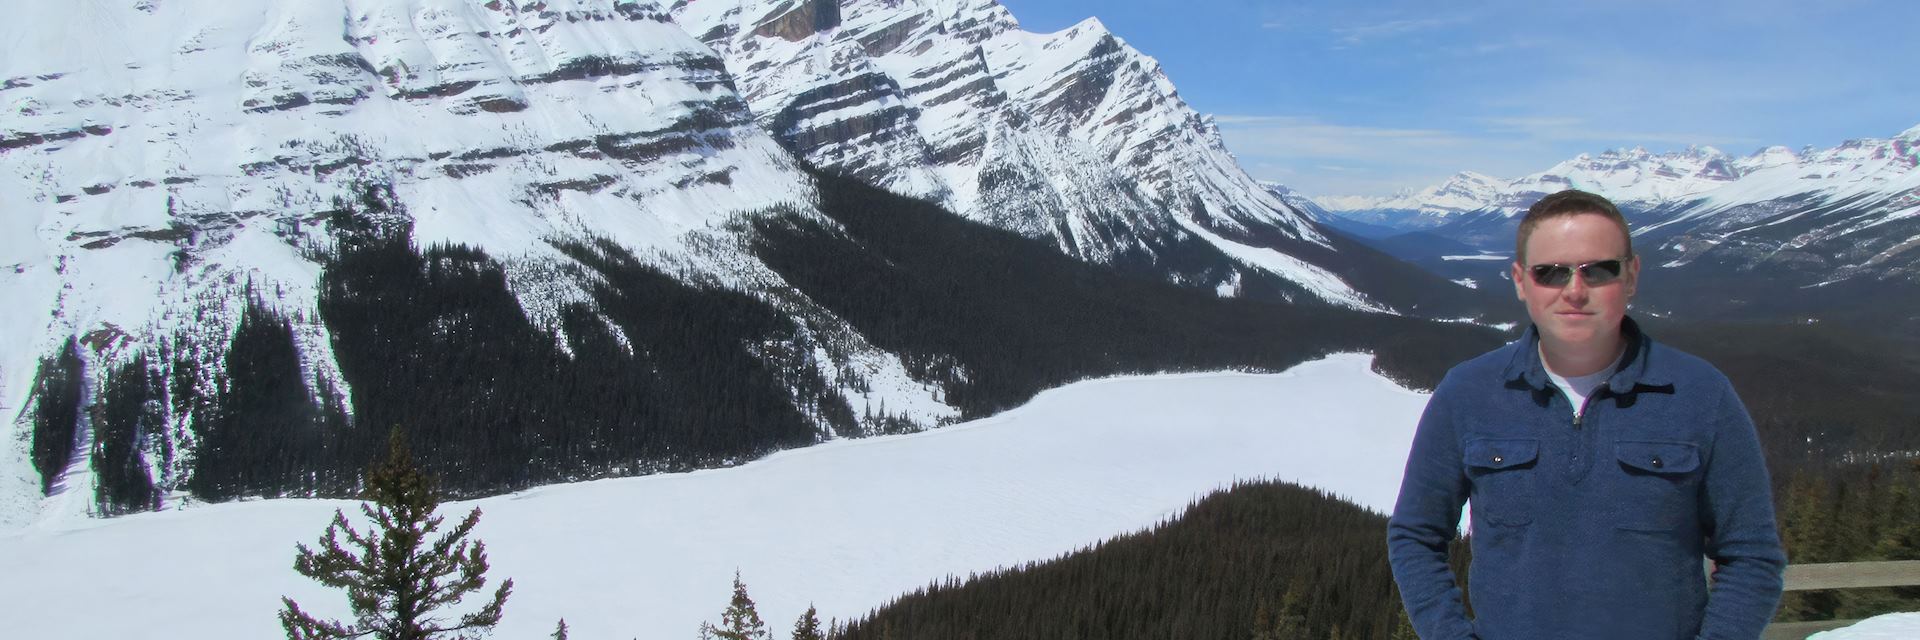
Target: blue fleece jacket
[1589, 527]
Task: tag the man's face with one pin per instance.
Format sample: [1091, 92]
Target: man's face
[1576, 314]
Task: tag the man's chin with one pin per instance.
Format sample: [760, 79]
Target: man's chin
[1575, 330]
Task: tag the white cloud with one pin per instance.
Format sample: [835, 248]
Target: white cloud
[1495, 47]
[1325, 158]
[1363, 34]
[1311, 138]
[1572, 129]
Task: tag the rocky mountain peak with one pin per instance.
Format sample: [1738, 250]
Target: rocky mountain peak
[950, 100]
[1766, 158]
[1704, 151]
[796, 20]
[1469, 182]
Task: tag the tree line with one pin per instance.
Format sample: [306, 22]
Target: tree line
[656, 372]
[1869, 512]
[995, 317]
[1263, 559]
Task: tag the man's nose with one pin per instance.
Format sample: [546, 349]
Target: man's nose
[1576, 290]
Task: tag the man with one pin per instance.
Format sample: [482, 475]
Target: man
[1602, 467]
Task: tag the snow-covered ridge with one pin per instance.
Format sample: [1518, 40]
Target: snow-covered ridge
[1815, 216]
[1464, 191]
[1637, 175]
[1074, 136]
[1638, 178]
[1628, 176]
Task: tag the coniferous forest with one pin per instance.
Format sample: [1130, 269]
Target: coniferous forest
[262, 428]
[1264, 560]
[1835, 412]
[996, 317]
[659, 372]
[657, 377]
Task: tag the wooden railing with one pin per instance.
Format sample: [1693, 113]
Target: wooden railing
[1839, 575]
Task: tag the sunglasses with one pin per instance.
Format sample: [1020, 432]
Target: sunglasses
[1596, 273]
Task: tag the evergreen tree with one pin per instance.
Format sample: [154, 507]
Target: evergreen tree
[1291, 621]
[1403, 627]
[131, 409]
[398, 584]
[1806, 531]
[56, 416]
[808, 626]
[1901, 540]
[560, 630]
[741, 621]
[1263, 623]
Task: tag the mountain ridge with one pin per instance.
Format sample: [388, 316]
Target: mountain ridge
[1831, 224]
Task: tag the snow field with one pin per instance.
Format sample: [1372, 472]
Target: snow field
[1892, 626]
[845, 525]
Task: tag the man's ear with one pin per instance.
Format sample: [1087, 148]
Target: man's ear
[1518, 272]
[1633, 275]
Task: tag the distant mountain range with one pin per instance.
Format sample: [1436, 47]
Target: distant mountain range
[1809, 235]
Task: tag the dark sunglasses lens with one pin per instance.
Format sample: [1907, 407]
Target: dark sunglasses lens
[1600, 273]
[1592, 273]
[1552, 275]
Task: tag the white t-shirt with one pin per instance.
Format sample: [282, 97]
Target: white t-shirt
[1578, 388]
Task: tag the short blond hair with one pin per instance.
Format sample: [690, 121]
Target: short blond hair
[1567, 203]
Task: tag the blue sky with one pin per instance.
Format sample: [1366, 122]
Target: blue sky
[1365, 98]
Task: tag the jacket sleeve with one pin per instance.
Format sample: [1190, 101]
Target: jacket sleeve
[1425, 519]
[1742, 538]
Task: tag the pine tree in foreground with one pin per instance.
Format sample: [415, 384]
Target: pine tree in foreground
[808, 626]
[399, 585]
[741, 621]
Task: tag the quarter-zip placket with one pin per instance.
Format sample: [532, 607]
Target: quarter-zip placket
[1583, 438]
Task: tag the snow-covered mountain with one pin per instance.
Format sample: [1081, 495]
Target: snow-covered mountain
[1432, 206]
[1074, 137]
[198, 159]
[1837, 228]
[1835, 218]
[188, 157]
[1631, 177]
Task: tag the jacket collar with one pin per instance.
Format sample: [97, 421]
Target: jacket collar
[1526, 365]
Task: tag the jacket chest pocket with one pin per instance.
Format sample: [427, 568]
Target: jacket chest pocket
[1503, 474]
[1659, 484]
